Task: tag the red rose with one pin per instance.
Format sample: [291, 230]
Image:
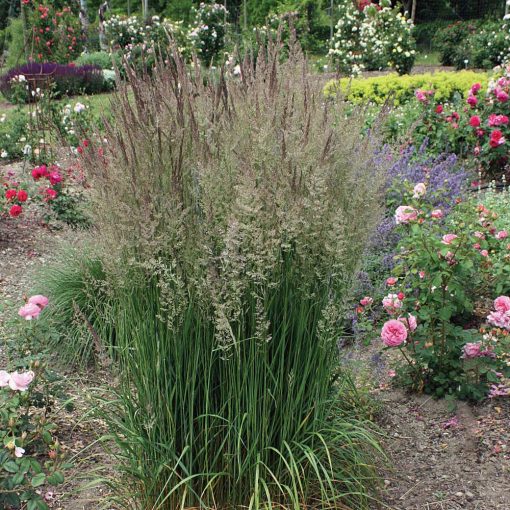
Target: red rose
[496, 139]
[439, 108]
[401, 296]
[22, 195]
[10, 194]
[474, 121]
[15, 210]
[80, 150]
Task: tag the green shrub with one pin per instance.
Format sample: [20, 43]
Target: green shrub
[100, 59]
[402, 88]
[232, 216]
[453, 37]
[424, 33]
[15, 44]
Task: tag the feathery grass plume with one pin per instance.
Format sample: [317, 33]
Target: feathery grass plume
[232, 215]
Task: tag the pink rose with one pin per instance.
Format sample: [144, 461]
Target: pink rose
[54, 178]
[472, 101]
[393, 333]
[392, 373]
[484, 253]
[502, 96]
[474, 121]
[409, 322]
[21, 382]
[419, 190]
[391, 281]
[480, 235]
[496, 139]
[499, 319]
[366, 301]
[4, 378]
[404, 214]
[448, 238]
[29, 311]
[502, 234]
[471, 350]
[502, 304]
[421, 96]
[421, 274]
[497, 120]
[476, 246]
[475, 88]
[437, 213]
[40, 301]
[392, 303]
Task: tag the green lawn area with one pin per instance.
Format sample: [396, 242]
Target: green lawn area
[427, 58]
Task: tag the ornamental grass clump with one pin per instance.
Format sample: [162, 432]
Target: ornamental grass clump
[232, 216]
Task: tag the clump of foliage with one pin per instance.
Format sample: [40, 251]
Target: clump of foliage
[401, 89]
[237, 213]
[372, 37]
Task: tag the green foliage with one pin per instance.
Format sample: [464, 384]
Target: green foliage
[30, 456]
[425, 33]
[75, 285]
[15, 44]
[401, 89]
[100, 59]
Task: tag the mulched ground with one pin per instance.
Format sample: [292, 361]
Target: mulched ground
[437, 463]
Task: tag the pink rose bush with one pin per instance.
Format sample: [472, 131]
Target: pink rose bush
[480, 128]
[26, 429]
[442, 263]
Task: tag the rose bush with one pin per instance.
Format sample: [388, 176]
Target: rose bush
[443, 267]
[372, 37]
[31, 460]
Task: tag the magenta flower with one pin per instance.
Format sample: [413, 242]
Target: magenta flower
[21, 382]
[472, 101]
[29, 311]
[502, 96]
[393, 333]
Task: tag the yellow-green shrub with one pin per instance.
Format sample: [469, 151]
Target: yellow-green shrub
[402, 88]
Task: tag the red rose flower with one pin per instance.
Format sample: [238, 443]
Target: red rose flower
[22, 195]
[10, 194]
[50, 194]
[15, 211]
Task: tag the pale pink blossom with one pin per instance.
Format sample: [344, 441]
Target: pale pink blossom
[392, 373]
[479, 235]
[4, 378]
[29, 311]
[366, 301]
[405, 214]
[502, 304]
[471, 350]
[448, 238]
[40, 301]
[21, 382]
[392, 303]
[437, 214]
[409, 322]
[419, 190]
[499, 319]
[18, 451]
[391, 281]
[393, 333]
[421, 274]
[502, 234]
[484, 253]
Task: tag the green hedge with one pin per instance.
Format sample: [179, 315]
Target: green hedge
[401, 88]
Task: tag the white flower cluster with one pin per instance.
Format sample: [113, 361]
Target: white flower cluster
[375, 38]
